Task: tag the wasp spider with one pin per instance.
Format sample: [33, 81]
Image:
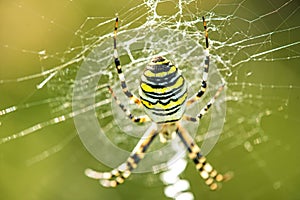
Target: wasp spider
[163, 94]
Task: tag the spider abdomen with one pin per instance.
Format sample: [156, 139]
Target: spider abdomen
[163, 91]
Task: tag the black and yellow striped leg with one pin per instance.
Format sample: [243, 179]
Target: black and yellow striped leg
[206, 107]
[125, 89]
[207, 172]
[117, 176]
[139, 119]
[202, 90]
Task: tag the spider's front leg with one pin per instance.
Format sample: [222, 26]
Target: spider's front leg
[125, 89]
[207, 172]
[117, 176]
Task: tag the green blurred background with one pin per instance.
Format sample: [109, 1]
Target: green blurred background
[268, 170]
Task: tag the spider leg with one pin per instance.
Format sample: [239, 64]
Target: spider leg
[139, 119]
[207, 172]
[125, 89]
[206, 107]
[202, 90]
[118, 175]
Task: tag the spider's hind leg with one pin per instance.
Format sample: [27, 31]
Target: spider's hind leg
[124, 86]
[136, 119]
[202, 90]
[206, 108]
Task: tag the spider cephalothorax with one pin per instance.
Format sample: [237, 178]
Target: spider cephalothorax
[163, 93]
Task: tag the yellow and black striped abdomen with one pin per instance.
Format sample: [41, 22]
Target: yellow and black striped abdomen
[163, 91]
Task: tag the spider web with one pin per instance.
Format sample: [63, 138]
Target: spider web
[254, 46]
